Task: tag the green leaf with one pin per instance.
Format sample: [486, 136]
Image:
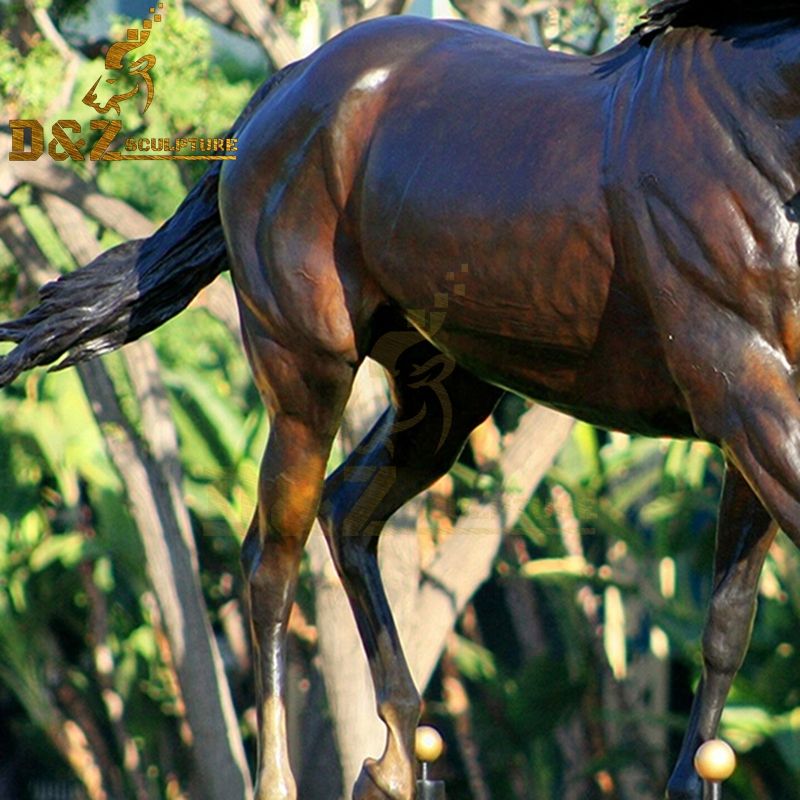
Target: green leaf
[473, 661]
[68, 549]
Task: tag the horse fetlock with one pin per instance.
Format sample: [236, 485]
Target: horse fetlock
[272, 788]
[386, 779]
[722, 657]
[725, 639]
[282, 793]
[401, 712]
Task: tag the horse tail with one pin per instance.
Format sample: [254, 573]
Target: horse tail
[132, 288]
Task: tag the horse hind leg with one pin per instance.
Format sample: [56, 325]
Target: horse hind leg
[305, 394]
[414, 443]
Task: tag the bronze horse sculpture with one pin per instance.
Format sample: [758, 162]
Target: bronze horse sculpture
[630, 226]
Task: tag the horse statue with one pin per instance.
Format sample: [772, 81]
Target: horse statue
[630, 224]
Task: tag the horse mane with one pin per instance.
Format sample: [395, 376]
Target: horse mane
[685, 13]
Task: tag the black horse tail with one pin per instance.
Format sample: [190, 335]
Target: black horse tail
[132, 288]
[125, 292]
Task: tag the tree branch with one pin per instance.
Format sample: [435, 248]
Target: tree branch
[502, 15]
[348, 684]
[71, 58]
[220, 11]
[265, 27]
[219, 299]
[425, 612]
[383, 8]
[24, 248]
[43, 174]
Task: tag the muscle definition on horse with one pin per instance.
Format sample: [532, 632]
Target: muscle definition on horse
[630, 223]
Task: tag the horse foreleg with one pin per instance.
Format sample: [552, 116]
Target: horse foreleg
[395, 462]
[745, 532]
[741, 391]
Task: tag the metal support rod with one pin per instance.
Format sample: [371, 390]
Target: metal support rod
[428, 747]
[713, 790]
[430, 790]
[715, 762]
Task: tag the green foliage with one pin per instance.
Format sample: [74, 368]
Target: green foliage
[54, 471]
[588, 26]
[191, 94]
[65, 532]
[184, 82]
[27, 83]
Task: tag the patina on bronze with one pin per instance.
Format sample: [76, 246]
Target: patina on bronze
[623, 230]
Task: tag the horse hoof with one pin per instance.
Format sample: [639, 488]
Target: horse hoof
[692, 792]
[371, 786]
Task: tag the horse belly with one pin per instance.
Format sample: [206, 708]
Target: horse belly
[623, 383]
[540, 309]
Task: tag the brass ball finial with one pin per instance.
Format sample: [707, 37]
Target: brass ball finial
[715, 761]
[428, 744]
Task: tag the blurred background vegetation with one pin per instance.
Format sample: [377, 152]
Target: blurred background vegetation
[569, 671]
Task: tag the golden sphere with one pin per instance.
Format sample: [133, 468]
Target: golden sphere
[715, 761]
[428, 744]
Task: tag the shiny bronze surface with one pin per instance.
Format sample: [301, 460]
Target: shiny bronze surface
[614, 236]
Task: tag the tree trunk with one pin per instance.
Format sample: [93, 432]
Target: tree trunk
[152, 476]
